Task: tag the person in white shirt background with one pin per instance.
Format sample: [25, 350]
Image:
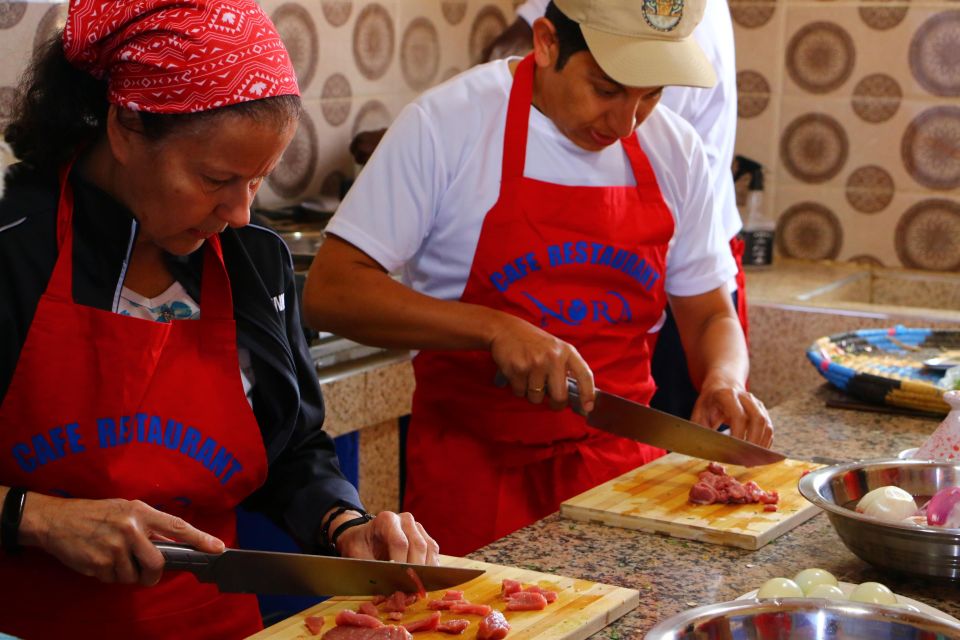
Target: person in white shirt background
[543, 212]
[713, 113]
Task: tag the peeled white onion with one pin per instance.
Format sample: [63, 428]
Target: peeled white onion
[873, 592]
[809, 578]
[780, 588]
[828, 591]
[889, 503]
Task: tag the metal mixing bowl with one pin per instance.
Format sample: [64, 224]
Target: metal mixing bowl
[904, 548]
[801, 618]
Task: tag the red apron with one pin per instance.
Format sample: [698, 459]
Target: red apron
[107, 406]
[585, 264]
[736, 248]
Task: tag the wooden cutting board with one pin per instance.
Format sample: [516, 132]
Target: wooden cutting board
[582, 609]
[654, 498]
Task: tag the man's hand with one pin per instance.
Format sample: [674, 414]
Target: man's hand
[726, 402]
[390, 536]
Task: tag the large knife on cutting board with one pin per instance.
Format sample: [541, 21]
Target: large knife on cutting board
[270, 572]
[628, 419]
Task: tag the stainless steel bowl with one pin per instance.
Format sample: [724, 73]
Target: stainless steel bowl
[801, 618]
[903, 548]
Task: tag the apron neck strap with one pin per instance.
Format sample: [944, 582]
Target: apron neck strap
[216, 300]
[642, 169]
[518, 117]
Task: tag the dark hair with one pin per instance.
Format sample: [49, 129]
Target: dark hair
[569, 36]
[59, 108]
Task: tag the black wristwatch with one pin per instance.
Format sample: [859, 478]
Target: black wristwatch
[10, 518]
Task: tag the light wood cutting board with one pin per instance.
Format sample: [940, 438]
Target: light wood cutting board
[654, 498]
[582, 609]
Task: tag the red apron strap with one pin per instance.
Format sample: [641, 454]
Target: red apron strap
[642, 170]
[736, 248]
[61, 282]
[216, 301]
[518, 115]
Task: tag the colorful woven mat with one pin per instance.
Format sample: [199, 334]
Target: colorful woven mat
[885, 366]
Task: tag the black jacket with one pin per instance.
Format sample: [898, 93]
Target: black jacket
[304, 479]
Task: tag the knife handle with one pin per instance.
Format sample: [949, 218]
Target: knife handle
[181, 557]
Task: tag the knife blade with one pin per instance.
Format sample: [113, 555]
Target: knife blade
[629, 419]
[270, 572]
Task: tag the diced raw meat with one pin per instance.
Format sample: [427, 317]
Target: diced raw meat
[348, 618]
[443, 605]
[453, 594]
[389, 632]
[424, 624]
[526, 601]
[770, 507]
[395, 616]
[474, 609]
[368, 608]
[379, 599]
[551, 596]
[715, 486]
[454, 627]
[509, 586]
[314, 624]
[397, 602]
[493, 627]
[418, 583]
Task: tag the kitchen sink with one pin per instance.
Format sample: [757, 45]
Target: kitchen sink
[891, 288]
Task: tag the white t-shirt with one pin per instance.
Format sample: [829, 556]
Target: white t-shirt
[420, 202]
[176, 304]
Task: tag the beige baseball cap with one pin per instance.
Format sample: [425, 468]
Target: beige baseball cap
[644, 43]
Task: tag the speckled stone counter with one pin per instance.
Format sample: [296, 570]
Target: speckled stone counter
[673, 575]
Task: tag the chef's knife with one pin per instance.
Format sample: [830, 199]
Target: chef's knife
[633, 420]
[269, 572]
[629, 419]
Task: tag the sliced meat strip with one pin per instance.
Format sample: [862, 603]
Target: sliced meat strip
[395, 616]
[424, 624]
[527, 601]
[348, 618]
[443, 605]
[493, 627]
[369, 609]
[396, 602]
[455, 627]
[389, 632]
[475, 609]
[453, 594]
[314, 624]
[551, 596]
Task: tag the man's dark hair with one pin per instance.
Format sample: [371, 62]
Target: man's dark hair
[569, 37]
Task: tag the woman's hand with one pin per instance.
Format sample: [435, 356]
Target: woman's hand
[537, 364]
[107, 539]
[726, 402]
[389, 536]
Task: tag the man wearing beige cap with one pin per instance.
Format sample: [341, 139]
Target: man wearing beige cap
[542, 243]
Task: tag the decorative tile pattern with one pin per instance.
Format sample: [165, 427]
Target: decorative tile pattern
[373, 41]
[820, 57]
[337, 12]
[809, 231]
[876, 97]
[753, 93]
[420, 54]
[50, 25]
[928, 235]
[752, 14]
[870, 189]
[299, 35]
[814, 147]
[489, 23]
[931, 148]
[454, 11]
[11, 13]
[935, 54]
[335, 99]
[882, 18]
[298, 165]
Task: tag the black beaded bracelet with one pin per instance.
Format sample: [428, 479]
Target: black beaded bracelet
[363, 519]
[10, 518]
[325, 528]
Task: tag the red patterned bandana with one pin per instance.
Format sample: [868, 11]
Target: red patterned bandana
[179, 56]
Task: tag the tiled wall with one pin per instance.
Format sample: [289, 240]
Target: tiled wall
[853, 107]
[358, 63]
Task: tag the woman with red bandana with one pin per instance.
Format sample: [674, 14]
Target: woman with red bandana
[153, 370]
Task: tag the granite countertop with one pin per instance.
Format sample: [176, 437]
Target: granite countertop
[673, 575]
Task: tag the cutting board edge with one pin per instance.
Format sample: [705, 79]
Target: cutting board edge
[598, 622]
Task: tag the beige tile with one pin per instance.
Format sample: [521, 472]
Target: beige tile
[380, 467]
